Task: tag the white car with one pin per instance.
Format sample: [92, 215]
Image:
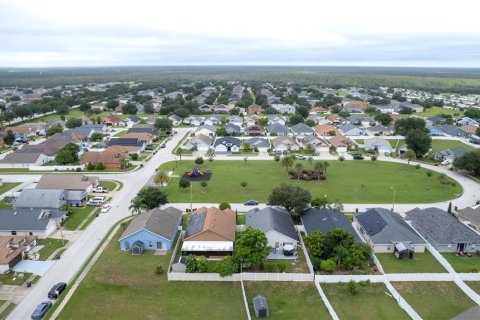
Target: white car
[106, 208]
[446, 162]
[100, 190]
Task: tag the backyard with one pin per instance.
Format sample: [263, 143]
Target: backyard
[288, 300]
[421, 263]
[371, 302]
[440, 145]
[434, 300]
[435, 111]
[122, 286]
[475, 285]
[347, 182]
[463, 264]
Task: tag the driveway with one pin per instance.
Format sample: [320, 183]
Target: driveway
[39, 268]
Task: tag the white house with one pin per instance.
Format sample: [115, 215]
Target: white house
[379, 145]
[262, 145]
[199, 142]
[226, 145]
[206, 130]
[283, 144]
[351, 130]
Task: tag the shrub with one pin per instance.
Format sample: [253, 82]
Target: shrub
[78, 169]
[365, 283]
[261, 266]
[341, 158]
[158, 269]
[100, 166]
[316, 263]
[134, 156]
[418, 166]
[90, 166]
[124, 225]
[202, 266]
[276, 158]
[199, 160]
[352, 287]
[282, 266]
[374, 158]
[270, 267]
[429, 173]
[328, 265]
[224, 205]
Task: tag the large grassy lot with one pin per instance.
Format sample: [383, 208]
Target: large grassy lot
[463, 264]
[8, 186]
[122, 286]
[288, 300]
[435, 111]
[347, 182]
[440, 145]
[371, 302]
[421, 263]
[434, 300]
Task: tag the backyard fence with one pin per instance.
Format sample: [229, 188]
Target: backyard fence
[401, 302]
[55, 168]
[348, 278]
[247, 276]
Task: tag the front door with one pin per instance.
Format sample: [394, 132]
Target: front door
[159, 245]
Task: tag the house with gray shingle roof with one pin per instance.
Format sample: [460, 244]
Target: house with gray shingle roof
[152, 230]
[324, 220]
[443, 231]
[276, 223]
[379, 145]
[351, 130]
[41, 199]
[278, 129]
[470, 216]
[33, 222]
[384, 229]
[301, 130]
[262, 145]
[449, 154]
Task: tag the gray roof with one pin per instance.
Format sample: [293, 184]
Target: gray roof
[384, 227]
[21, 157]
[76, 195]
[208, 127]
[302, 128]
[160, 222]
[278, 128]
[377, 142]
[473, 215]
[269, 219]
[230, 127]
[441, 226]
[324, 220]
[348, 127]
[27, 219]
[41, 198]
[227, 140]
[257, 142]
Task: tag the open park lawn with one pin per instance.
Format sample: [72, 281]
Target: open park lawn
[50, 245]
[440, 145]
[463, 264]
[8, 186]
[122, 286]
[434, 300]
[475, 285]
[288, 300]
[371, 302]
[435, 111]
[347, 182]
[421, 263]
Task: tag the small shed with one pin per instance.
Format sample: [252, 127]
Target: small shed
[137, 247]
[403, 250]
[260, 305]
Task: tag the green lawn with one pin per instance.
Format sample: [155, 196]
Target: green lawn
[7, 311]
[372, 302]
[51, 245]
[8, 186]
[434, 300]
[435, 111]
[347, 182]
[440, 145]
[475, 285]
[76, 217]
[240, 218]
[463, 264]
[421, 263]
[76, 113]
[90, 220]
[4, 205]
[122, 286]
[288, 300]
[110, 185]
[8, 278]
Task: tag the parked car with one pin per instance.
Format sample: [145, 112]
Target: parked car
[100, 190]
[96, 201]
[163, 145]
[41, 310]
[358, 156]
[56, 290]
[251, 203]
[446, 162]
[106, 208]
[300, 157]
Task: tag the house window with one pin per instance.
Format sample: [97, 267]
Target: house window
[150, 244]
[14, 233]
[389, 248]
[30, 233]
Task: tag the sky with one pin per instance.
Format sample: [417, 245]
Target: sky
[420, 33]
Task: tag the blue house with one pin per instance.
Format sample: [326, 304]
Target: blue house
[152, 230]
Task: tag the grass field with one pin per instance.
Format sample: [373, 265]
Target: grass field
[50, 246]
[435, 111]
[421, 263]
[288, 300]
[8, 186]
[76, 217]
[440, 145]
[434, 300]
[76, 113]
[475, 285]
[371, 302]
[347, 181]
[7, 311]
[463, 264]
[122, 286]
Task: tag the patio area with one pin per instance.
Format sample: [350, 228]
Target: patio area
[279, 255]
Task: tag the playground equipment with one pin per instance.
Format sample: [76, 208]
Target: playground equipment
[195, 172]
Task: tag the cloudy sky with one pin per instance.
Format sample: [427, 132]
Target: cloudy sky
[248, 32]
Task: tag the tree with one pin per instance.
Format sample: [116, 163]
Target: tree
[130, 108]
[199, 160]
[191, 264]
[244, 186]
[96, 136]
[320, 202]
[449, 210]
[100, 166]
[148, 108]
[124, 163]
[184, 184]
[310, 123]
[221, 132]
[295, 119]
[9, 138]
[477, 131]
[163, 124]
[384, 118]
[227, 266]
[419, 141]
[68, 154]
[251, 247]
[182, 113]
[328, 265]
[137, 205]
[470, 162]
[314, 242]
[178, 153]
[153, 197]
[224, 205]
[73, 123]
[402, 126]
[161, 178]
[53, 130]
[112, 104]
[84, 106]
[287, 161]
[298, 170]
[472, 113]
[204, 184]
[410, 155]
[290, 197]
[319, 167]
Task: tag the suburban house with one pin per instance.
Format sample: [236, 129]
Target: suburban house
[23, 160]
[252, 120]
[434, 131]
[443, 231]
[220, 109]
[340, 143]
[352, 130]
[30, 222]
[435, 121]
[284, 108]
[41, 198]
[334, 119]
[199, 142]
[326, 130]
[379, 130]
[206, 130]
[232, 129]
[14, 249]
[226, 145]
[454, 131]
[470, 216]
[176, 120]
[359, 120]
[466, 121]
[259, 144]
[377, 145]
[142, 136]
[193, 121]
[143, 127]
[319, 144]
[449, 154]
[205, 108]
[70, 182]
[210, 232]
[283, 144]
[254, 109]
[128, 142]
[110, 157]
[254, 130]
[277, 224]
[318, 119]
[277, 129]
[470, 129]
[302, 130]
[236, 120]
[112, 121]
[152, 230]
[387, 231]
[277, 120]
[324, 220]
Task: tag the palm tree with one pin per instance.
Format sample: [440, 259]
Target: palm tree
[123, 163]
[161, 178]
[310, 160]
[287, 162]
[325, 165]
[137, 205]
[298, 169]
[178, 153]
[319, 167]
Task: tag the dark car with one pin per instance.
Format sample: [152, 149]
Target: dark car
[357, 156]
[57, 290]
[41, 310]
[251, 203]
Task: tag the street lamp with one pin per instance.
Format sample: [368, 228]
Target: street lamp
[393, 205]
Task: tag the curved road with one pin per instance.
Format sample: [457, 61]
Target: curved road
[80, 250]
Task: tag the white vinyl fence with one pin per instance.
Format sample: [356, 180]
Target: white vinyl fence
[55, 168]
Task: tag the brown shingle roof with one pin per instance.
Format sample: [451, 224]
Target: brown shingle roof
[7, 251]
[324, 129]
[219, 225]
[67, 181]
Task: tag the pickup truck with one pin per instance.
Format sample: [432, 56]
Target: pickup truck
[100, 190]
